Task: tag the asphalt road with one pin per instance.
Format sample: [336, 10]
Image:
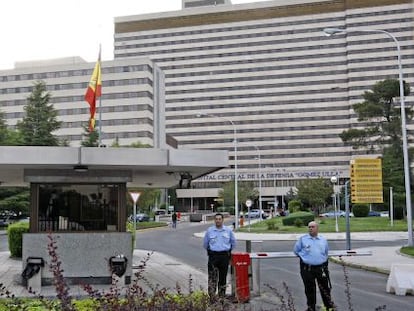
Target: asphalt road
[367, 289]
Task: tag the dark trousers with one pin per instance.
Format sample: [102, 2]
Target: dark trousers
[218, 265]
[320, 274]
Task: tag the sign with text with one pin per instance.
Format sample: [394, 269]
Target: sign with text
[366, 181]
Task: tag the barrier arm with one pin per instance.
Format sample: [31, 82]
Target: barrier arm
[265, 255]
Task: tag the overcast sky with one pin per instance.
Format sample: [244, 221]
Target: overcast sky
[44, 29]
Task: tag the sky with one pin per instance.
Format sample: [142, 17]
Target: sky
[47, 29]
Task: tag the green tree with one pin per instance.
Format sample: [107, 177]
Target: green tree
[90, 139]
[40, 120]
[380, 117]
[3, 129]
[245, 190]
[314, 193]
[147, 198]
[14, 199]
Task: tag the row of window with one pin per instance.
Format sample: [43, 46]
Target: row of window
[73, 73]
[277, 105]
[85, 111]
[282, 23]
[79, 85]
[80, 98]
[114, 136]
[274, 120]
[245, 39]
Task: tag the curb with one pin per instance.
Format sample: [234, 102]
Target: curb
[359, 266]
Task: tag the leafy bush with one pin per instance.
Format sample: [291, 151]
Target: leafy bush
[15, 236]
[272, 224]
[226, 209]
[298, 222]
[303, 217]
[294, 206]
[360, 210]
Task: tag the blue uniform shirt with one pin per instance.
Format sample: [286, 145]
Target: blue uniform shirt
[312, 250]
[219, 239]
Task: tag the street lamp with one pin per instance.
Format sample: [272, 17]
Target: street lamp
[260, 182]
[236, 190]
[334, 180]
[332, 31]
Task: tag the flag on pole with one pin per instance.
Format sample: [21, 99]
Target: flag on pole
[94, 91]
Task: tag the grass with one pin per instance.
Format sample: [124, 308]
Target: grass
[357, 224]
[407, 250]
[146, 225]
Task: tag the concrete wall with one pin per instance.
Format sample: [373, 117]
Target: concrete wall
[84, 256]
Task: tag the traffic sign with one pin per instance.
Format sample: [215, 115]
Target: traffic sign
[366, 181]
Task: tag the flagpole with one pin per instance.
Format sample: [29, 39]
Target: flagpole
[100, 105]
[100, 123]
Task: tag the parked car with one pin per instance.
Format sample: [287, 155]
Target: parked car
[385, 214]
[374, 214]
[160, 212]
[5, 221]
[255, 213]
[333, 214]
[140, 217]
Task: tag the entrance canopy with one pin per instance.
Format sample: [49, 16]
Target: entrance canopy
[138, 167]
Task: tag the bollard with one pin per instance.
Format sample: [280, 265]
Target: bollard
[241, 263]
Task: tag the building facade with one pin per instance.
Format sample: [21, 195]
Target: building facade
[266, 74]
[131, 107]
[258, 79]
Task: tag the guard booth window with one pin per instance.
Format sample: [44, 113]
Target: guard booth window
[78, 207]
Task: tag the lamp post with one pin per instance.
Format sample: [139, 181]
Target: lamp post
[332, 31]
[348, 225]
[334, 180]
[236, 191]
[260, 182]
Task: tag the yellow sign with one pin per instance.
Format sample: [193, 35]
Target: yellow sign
[366, 181]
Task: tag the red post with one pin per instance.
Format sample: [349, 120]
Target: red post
[241, 263]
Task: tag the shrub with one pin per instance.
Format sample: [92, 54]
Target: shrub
[304, 217]
[226, 209]
[271, 224]
[15, 236]
[294, 206]
[298, 222]
[360, 210]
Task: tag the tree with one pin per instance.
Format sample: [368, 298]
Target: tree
[380, 115]
[14, 199]
[40, 120]
[91, 139]
[3, 129]
[314, 193]
[147, 198]
[245, 190]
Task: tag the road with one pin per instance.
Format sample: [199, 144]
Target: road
[367, 288]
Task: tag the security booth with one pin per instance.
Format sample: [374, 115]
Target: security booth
[78, 197]
[87, 222]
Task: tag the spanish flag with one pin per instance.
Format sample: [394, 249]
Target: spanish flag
[94, 91]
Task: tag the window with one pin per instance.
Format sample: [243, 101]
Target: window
[65, 207]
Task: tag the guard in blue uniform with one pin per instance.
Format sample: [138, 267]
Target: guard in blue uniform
[219, 240]
[312, 249]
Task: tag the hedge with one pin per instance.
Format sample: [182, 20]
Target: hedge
[293, 219]
[15, 236]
